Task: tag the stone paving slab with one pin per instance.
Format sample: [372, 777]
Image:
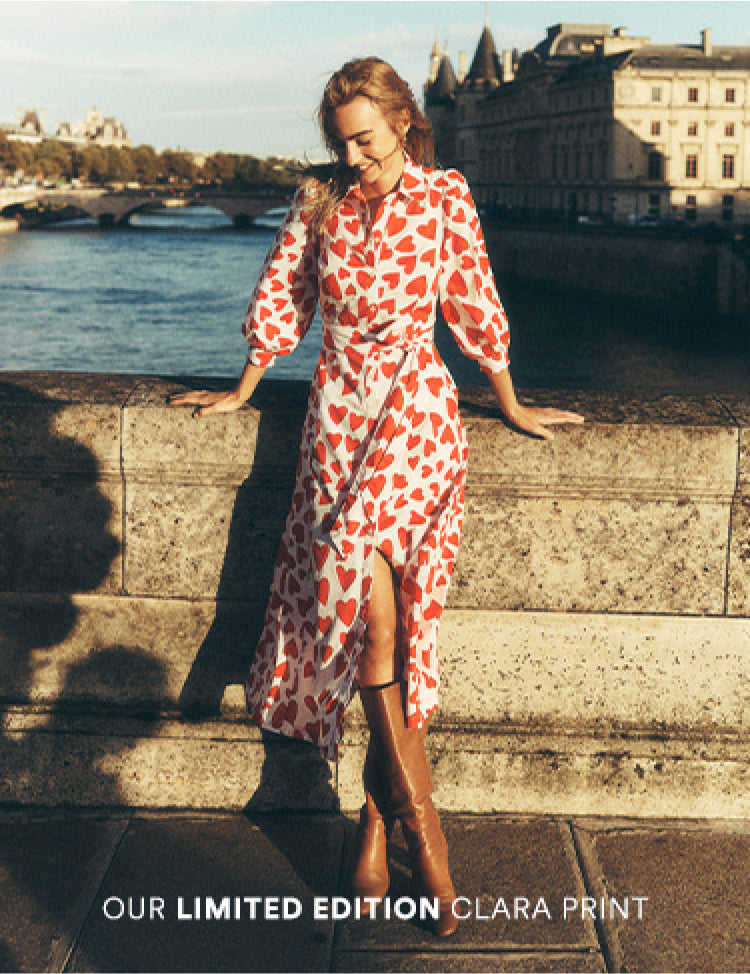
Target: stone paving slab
[511, 962]
[496, 866]
[49, 869]
[58, 868]
[698, 886]
[294, 856]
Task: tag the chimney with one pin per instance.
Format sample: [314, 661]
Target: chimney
[706, 41]
[507, 66]
[620, 32]
[461, 66]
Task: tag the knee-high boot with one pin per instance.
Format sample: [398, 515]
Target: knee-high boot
[406, 774]
[370, 878]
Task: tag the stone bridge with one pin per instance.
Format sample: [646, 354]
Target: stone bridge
[114, 208]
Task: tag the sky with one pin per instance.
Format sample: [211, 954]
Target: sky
[247, 76]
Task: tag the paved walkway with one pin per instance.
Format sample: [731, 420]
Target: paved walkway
[678, 895]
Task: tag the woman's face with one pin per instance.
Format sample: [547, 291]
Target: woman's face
[368, 144]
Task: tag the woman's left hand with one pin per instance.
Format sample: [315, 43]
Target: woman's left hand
[536, 419]
[529, 419]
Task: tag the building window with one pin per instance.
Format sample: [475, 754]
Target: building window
[727, 209]
[654, 204]
[656, 128]
[729, 95]
[729, 130]
[656, 94]
[692, 128]
[691, 204]
[727, 166]
[691, 167]
[692, 94]
[654, 165]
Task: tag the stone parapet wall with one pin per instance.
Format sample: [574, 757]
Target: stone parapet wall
[674, 272]
[595, 651]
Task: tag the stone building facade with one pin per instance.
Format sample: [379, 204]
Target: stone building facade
[594, 124]
[95, 129]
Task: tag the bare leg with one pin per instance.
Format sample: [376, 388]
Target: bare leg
[377, 665]
[379, 661]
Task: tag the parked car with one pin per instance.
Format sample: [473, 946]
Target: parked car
[645, 220]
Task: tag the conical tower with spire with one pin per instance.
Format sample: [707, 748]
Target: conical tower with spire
[486, 70]
[444, 93]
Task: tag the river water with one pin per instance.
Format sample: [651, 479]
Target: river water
[166, 296]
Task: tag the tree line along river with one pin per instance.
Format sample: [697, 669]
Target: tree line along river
[167, 295]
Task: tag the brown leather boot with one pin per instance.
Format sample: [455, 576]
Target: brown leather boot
[406, 774]
[370, 877]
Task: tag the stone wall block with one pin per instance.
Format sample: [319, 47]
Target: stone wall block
[202, 541]
[125, 654]
[165, 443]
[43, 438]
[594, 670]
[624, 458]
[60, 534]
[66, 759]
[739, 557]
[591, 554]
[738, 595]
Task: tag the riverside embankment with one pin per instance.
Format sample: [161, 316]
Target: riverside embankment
[684, 272]
[595, 652]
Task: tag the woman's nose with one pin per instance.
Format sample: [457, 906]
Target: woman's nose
[353, 155]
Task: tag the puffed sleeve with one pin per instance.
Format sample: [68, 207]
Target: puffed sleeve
[286, 295]
[468, 296]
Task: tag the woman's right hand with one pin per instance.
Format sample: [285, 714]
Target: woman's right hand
[206, 402]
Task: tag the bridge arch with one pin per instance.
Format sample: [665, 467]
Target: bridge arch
[116, 208]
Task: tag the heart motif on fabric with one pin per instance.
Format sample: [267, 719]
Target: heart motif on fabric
[346, 611]
[346, 576]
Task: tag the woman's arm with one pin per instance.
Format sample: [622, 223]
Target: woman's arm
[529, 419]
[221, 402]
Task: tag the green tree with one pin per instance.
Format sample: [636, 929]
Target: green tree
[247, 171]
[120, 165]
[15, 155]
[177, 166]
[146, 164]
[220, 167]
[94, 167]
[54, 159]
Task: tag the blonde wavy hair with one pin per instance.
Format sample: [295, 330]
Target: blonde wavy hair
[384, 87]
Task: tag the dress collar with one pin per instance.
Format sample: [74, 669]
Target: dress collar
[412, 185]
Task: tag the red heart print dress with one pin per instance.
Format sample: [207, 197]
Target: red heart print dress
[383, 457]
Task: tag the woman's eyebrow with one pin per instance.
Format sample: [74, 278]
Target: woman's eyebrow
[355, 135]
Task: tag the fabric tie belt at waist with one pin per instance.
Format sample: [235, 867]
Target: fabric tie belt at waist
[338, 338]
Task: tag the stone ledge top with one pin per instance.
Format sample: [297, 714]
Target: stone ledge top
[477, 403]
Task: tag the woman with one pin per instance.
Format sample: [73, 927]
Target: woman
[371, 538]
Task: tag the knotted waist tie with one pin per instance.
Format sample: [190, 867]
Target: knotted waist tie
[365, 358]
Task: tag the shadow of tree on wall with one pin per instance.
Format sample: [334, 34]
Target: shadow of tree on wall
[293, 774]
[56, 540]
[59, 523]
